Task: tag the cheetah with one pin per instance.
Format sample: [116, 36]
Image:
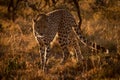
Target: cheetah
[60, 21]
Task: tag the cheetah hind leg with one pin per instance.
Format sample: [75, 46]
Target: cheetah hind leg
[63, 44]
[65, 56]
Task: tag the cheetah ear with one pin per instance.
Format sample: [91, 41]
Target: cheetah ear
[39, 16]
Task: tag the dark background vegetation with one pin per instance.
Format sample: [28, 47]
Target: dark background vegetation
[19, 56]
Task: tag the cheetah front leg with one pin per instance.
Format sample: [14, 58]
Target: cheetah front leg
[42, 50]
[74, 43]
[44, 54]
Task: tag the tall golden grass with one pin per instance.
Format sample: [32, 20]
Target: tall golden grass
[19, 51]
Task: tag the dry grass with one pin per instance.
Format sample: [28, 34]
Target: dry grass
[19, 57]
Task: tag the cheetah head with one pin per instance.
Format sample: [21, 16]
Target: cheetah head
[40, 25]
